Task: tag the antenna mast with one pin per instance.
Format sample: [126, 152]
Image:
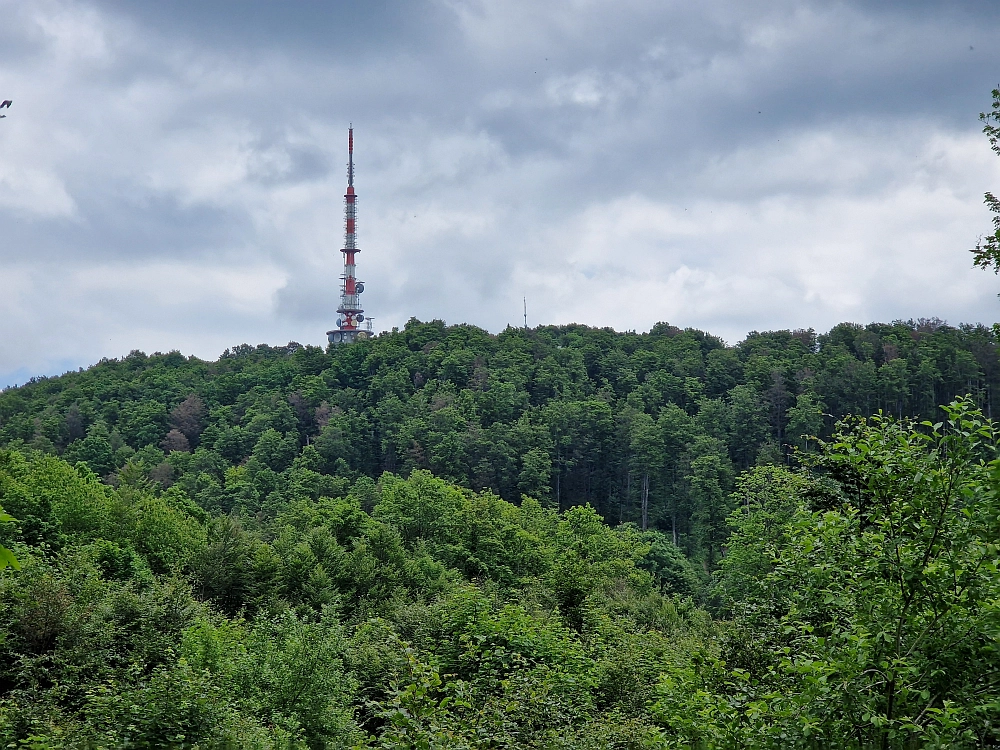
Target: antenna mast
[351, 313]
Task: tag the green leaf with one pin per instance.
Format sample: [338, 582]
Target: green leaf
[7, 559]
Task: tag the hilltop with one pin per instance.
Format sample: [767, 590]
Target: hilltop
[568, 415]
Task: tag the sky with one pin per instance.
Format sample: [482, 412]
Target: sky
[171, 174]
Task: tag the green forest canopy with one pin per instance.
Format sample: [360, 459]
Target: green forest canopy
[434, 539]
[568, 415]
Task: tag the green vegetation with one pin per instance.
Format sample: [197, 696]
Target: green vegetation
[653, 426]
[987, 250]
[435, 539]
[7, 559]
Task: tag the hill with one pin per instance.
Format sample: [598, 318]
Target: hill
[568, 415]
[435, 540]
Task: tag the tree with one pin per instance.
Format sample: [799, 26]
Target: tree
[880, 612]
[709, 484]
[749, 424]
[672, 571]
[646, 447]
[175, 441]
[536, 474]
[188, 417]
[678, 432]
[987, 251]
[95, 450]
[143, 422]
[922, 546]
[74, 424]
[765, 500]
[274, 450]
[805, 419]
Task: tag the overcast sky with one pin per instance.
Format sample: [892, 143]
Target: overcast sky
[171, 173]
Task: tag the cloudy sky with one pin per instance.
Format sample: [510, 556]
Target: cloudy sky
[171, 173]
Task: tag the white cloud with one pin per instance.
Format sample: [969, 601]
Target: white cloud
[35, 192]
[108, 309]
[784, 258]
[605, 160]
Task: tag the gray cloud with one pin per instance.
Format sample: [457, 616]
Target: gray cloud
[171, 174]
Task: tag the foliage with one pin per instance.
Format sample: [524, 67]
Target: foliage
[987, 250]
[647, 428]
[868, 623]
[436, 539]
[441, 617]
[7, 558]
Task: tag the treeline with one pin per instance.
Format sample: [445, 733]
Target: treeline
[855, 607]
[651, 428]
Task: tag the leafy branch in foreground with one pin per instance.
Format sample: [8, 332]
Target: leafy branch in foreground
[987, 250]
[865, 612]
[7, 559]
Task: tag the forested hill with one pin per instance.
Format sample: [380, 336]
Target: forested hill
[568, 415]
[256, 552]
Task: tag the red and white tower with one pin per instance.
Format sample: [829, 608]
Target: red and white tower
[351, 314]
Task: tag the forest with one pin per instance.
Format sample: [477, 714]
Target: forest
[542, 538]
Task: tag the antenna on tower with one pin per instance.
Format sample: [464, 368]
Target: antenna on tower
[351, 313]
[525, 313]
[350, 155]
